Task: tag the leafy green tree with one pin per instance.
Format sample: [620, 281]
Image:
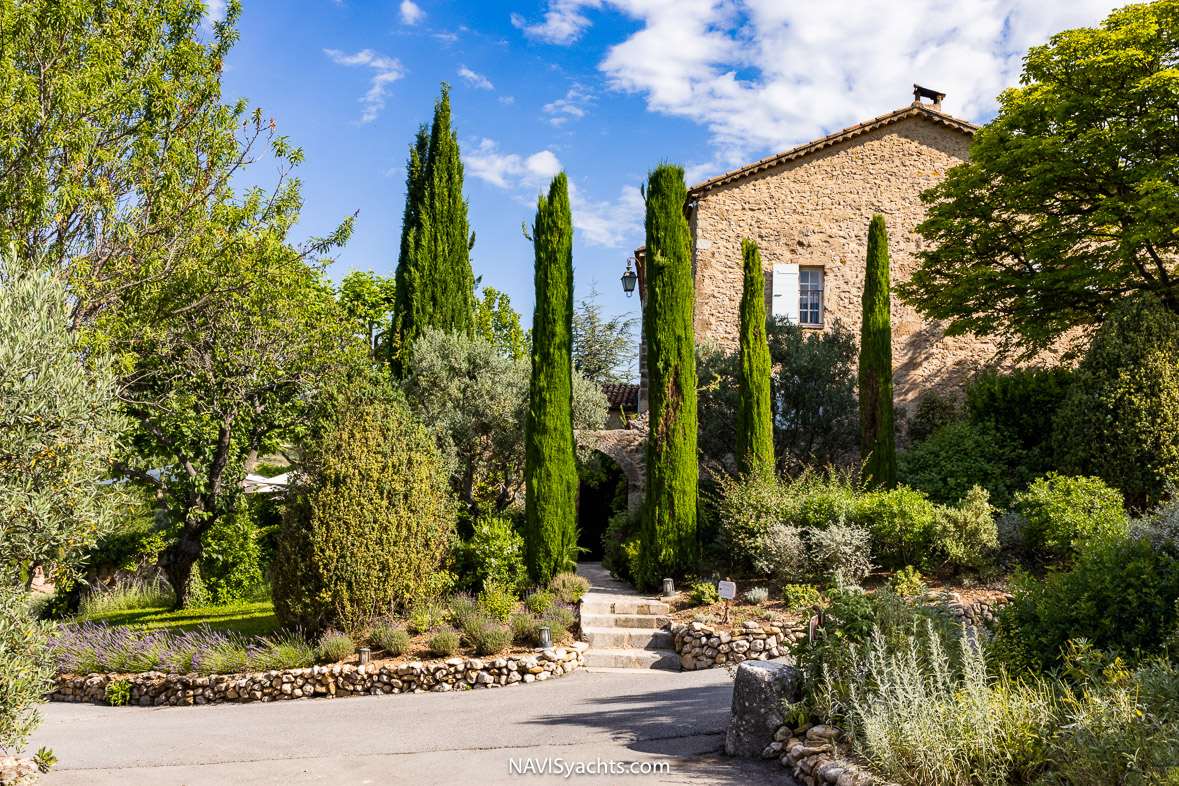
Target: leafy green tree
[755, 426]
[370, 518]
[475, 401]
[496, 321]
[877, 432]
[1069, 200]
[367, 299]
[603, 349]
[435, 285]
[1120, 420]
[669, 540]
[550, 463]
[59, 423]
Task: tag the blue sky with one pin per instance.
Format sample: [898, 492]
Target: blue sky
[605, 89]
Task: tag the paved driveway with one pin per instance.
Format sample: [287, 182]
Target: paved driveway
[433, 738]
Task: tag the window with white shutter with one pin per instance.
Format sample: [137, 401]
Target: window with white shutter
[810, 296]
[784, 299]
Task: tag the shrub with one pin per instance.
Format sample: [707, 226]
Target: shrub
[118, 693]
[1161, 527]
[1120, 596]
[288, 651]
[492, 639]
[538, 601]
[966, 534]
[620, 545]
[498, 602]
[755, 532]
[334, 647]
[1063, 512]
[390, 638]
[524, 626]
[960, 455]
[231, 564]
[800, 596]
[560, 619]
[569, 587]
[757, 595]
[444, 643]
[496, 554]
[704, 593]
[1120, 420]
[369, 518]
[462, 607]
[127, 595]
[702, 618]
[842, 555]
[906, 582]
[1021, 407]
[426, 615]
[26, 668]
[929, 416]
[901, 522]
[1010, 528]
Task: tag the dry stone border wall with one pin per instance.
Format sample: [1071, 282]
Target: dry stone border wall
[701, 646]
[155, 688]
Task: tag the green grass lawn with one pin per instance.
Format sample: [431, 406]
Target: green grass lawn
[249, 618]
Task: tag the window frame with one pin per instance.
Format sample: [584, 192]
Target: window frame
[807, 288]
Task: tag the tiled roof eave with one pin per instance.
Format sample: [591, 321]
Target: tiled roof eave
[851, 132]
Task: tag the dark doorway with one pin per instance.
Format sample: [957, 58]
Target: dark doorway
[601, 494]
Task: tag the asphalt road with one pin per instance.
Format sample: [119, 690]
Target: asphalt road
[664, 718]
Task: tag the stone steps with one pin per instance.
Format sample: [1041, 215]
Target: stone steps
[631, 660]
[629, 638]
[607, 604]
[643, 621]
[625, 631]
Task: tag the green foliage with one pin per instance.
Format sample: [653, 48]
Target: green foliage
[903, 526]
[425, 615]
[1064, 513]
[1087, 233]
[434, 283]
[603, 349]
[334, 647]
[966, 534]
[755, 427]
[44, 759]
[960, 456]
[620, 544]
[196, 594]
[367, 300]
[759, 532]
[669, 544]
[26, 668]
[1120, 421]
[492, 639]
[231, 564]
[877, 431]
[906, 582]
[497, 601]
[368, 522]
[931, 414]
[800, 596]
[704, 593]
[1021, 407]
[757, 595]
[390, 638]
[550, 461]
[569, 587]
[840, 554]
[812, 393]
[496, 554]
[524, 628]
[118, 693]
[499, 324]
[444, 643]
[561, 621]
[476, 403]
[1119, 595]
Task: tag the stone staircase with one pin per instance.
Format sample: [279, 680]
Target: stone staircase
[625, 630]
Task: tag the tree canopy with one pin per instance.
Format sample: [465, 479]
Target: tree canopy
[1070, 199]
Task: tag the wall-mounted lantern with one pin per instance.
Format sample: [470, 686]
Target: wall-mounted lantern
[629, 278]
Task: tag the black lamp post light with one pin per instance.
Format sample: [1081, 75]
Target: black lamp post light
[630, 277]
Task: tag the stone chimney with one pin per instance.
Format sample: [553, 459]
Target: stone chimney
[920, 92]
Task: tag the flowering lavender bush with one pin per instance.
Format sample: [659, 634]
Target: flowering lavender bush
[97, 647]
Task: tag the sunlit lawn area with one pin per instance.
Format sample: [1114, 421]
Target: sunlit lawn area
[248, 618]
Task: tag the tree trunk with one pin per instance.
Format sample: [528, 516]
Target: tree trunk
[178, 561]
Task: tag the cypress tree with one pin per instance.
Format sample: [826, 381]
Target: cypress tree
[878, 443]
[550, 468]
[755, 425]
[668, 543]
[435, 285]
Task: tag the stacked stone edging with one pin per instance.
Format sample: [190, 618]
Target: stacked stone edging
[155, 688]
[810, 752]
[702, 646]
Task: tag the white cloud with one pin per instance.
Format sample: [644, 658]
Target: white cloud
[507, 99]
[573, 105]
[388, 70]
[764, 75]
[614, 223]
[214, 11]
[475, 80]
[411, 14]
[448, 38]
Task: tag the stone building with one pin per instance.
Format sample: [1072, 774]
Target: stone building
[809, 209]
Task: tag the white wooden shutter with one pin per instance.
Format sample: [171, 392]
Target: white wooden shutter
[784, 302]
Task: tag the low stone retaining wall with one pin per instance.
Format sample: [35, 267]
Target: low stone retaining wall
[701, 646]
[154, 688]
[810, 753]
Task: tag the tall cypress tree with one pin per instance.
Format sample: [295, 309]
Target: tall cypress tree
[435, 285]
[878, 440]
[668, 543]
[755, 425]
[550, 468]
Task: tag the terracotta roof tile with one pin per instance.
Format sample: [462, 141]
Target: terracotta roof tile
[622, 395]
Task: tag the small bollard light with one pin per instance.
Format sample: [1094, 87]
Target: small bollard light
[364, 655]
[545, 635]
[668, 588]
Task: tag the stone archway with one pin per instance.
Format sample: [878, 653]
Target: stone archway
[626, 448]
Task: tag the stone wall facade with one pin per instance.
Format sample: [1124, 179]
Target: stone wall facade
[812, 209]
[703, 646]
[155, 689]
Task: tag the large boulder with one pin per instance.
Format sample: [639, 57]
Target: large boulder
[761, 689]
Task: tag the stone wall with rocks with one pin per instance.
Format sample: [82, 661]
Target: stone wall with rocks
[157, 689]
[811, 754]
[702, 646]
